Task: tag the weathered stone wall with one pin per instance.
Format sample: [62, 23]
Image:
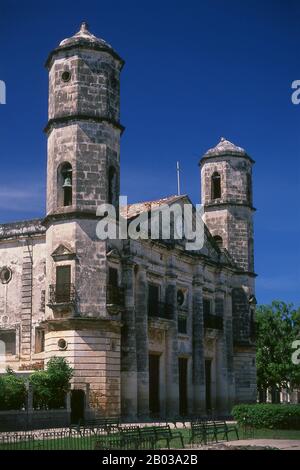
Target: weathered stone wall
[93, 87]
[94, 353]
[245, 375]
[22, 299]
[155, 264]
[84, 130]
[91, 149]
[234, 182]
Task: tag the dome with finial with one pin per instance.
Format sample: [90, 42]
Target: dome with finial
[85, 39]
[225, 147]
[84, 35]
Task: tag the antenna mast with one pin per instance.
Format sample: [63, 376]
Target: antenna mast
[178, 178]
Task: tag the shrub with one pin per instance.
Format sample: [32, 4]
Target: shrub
[13, 391]
[268, 416]
[51, 385]
[41, 389]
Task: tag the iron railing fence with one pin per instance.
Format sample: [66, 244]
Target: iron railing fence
[52, 440]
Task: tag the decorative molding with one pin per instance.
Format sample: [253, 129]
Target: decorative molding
[81, 117]
[62, 253]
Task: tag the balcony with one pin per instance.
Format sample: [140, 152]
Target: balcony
[115, 296]
[160, 310]
[62, 296]
[214, 322]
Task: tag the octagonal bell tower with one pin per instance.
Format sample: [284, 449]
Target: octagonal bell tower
[226, 190]
[226, 184]
[83, 171]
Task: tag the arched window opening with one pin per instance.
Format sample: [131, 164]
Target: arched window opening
[219, 241]
[112, 186]
[65, 185]
[216, 186]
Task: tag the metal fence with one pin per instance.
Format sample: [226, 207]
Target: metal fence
[125, 438]
[50, 440]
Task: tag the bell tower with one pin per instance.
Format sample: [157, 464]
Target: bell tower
[83, 171]
[226, 186]
[84, 124]
[226, 193]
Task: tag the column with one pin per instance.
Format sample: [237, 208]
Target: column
[172, 373]
[142, 343]
[221, 359]
[229, 348]
[198, 344]
[128, 347]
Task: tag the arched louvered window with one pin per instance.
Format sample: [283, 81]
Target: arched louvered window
[64, 185]
[215, 185]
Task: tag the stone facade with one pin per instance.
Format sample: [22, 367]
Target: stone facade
[149, 327]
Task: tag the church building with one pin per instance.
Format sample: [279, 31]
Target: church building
[150, 328]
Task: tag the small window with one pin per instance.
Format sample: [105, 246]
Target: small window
[182, 324]
[180, 298]
[39, 340]
[5, 275]
[66, 76]
[8, 337]
[206, 306]
[219, 241]
[216, 186]
[62, 344]
[153, 298]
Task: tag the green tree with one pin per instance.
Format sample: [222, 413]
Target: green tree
[12, 391]
[278, 325]
[51, 385]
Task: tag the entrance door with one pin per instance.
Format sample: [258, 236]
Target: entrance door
[183, 404]
[208, 384]
[154, 407]
[77, 406]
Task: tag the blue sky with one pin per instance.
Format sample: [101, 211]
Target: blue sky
[195, 71]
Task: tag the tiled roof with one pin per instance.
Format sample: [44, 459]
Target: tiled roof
[132, 210]
[23, 228]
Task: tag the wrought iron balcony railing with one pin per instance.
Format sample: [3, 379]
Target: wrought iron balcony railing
[115, 295]
[160, 310]
[213, 321]
[62, 294]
